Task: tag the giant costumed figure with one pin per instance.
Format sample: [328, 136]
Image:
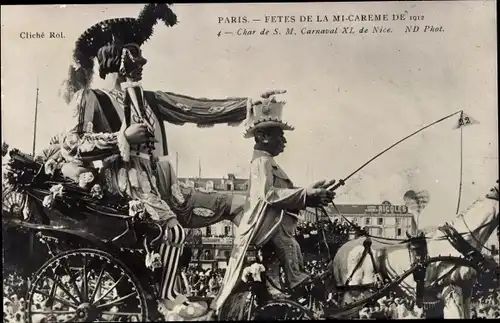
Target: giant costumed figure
[122, 127]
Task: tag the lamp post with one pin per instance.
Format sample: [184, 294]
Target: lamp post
[35, 121]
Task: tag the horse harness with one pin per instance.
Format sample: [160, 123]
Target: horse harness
[417, 247]
[366, 251]
[470, 253]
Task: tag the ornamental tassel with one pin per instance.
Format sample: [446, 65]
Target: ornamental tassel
[250, 112]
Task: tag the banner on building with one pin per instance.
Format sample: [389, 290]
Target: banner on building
[386, 209]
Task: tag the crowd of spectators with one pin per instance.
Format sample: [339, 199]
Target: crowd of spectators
[204, 283]
[207, 282]
[14, 289]
[485, 303]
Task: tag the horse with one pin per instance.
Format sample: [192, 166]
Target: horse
[392, 258]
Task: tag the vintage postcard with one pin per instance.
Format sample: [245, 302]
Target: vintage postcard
[250, 161]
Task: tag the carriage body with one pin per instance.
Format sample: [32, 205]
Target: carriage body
[79, 226]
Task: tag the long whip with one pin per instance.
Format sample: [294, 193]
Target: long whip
[342, 181]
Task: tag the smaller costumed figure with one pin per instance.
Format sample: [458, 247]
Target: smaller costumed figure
[270, 221]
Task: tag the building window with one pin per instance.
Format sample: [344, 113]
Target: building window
[367, 220]
[380, 221]
[398, 221]
[227, 231]
[209, 231]
[398, 233]
[379, 232]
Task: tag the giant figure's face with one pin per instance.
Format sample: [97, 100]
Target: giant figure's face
[134, 63]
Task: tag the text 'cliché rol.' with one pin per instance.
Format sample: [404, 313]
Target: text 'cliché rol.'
[41, 35]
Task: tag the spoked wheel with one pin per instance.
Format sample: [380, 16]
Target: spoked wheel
[282, 310]
[85, 285]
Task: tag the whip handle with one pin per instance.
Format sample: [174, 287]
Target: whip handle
[336, 185]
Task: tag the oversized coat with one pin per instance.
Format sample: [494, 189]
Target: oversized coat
[270, 183]
[271, 195]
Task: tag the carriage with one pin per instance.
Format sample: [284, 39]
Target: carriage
[97, 269]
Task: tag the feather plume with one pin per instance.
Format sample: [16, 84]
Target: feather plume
[149, 16]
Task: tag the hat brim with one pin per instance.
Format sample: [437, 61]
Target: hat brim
[249, 133]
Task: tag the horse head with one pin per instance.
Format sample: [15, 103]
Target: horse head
[480, 220]
[493, 193]
[476, 223]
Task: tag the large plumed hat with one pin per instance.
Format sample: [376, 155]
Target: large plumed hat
[113, 31]
[266, 113]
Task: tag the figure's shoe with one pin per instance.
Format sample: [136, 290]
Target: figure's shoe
[275, 293]
[279, 295]
[185, 309]
[193, 310]
[301, 290]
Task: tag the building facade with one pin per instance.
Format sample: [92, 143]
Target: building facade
[383, 220]
[214, 252]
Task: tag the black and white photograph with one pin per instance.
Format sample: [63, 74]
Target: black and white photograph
[250, 161]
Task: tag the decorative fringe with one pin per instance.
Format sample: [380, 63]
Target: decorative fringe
[123, 144]
[250, 112]
[205, 125]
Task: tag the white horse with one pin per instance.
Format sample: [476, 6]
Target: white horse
[476, 225]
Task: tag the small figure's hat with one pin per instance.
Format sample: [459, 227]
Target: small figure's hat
[121, 31]
[266, 113]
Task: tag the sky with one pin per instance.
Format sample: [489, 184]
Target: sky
[348, 96]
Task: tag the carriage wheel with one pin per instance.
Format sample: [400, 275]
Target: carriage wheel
[85, 285]
[282, 310]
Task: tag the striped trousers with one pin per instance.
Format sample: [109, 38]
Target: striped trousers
[170, 251]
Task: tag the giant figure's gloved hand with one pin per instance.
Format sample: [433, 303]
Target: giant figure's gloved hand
[138, 134]
[318, 194]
